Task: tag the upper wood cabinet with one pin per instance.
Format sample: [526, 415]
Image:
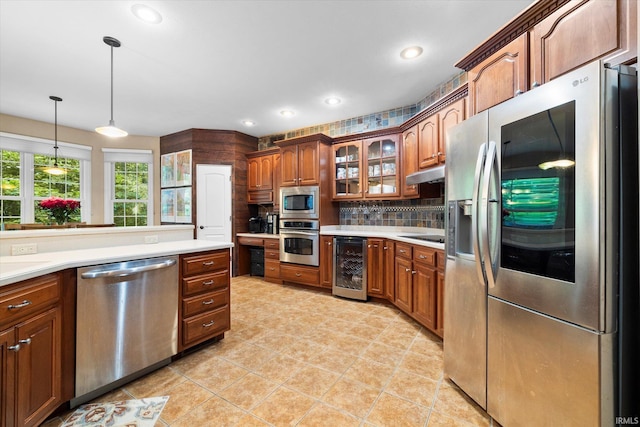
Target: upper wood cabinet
[347, 164]
[450, 116]
[582, 31]
[500, 77]
[300, 164]
[262, 184]
[410, 163]
[381, 160]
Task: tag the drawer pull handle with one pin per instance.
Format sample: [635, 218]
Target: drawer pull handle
[407, 270]
[22, 304]
[298, 274]
[272, 269]
[402, 251]
[208, 325]
[15, 348]
[422, 257]
[207, 283]
[208, 302]
[27, 341]
[208, 263]
[413, 272]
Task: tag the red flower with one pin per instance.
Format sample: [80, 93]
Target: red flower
[60, 209]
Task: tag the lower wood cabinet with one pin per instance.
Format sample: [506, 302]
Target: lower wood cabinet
[204, 311]
[302, 274]
[30, 351]
[272, 260]
[380, 268]
[326, 261]
[419, 284]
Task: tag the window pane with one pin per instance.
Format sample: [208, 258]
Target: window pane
[130, 193]
[65, 186]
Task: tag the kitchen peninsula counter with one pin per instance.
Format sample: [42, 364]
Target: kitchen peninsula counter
[98, 247]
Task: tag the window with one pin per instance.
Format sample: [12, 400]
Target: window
[24, 183]
[129, 176]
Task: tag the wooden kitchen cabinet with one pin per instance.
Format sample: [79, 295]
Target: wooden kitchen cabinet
[300, 164]
[204, 310]
[303, 274]
[580, 32]
[272, 260]
[424, 286]
[500, 77]
[410, 162]
[326, 261]
[347, 170]
[404, 278]
[389, 269]
[381, 163]
[30, 351]
[375, 267]
[428, 141]
[261, 177]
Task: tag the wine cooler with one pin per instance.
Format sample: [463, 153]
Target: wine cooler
[350, 267]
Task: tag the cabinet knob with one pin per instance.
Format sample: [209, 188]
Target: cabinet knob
[422, 257]
[433, 156]
[298, 274]
[439, 153]
[534, 85]
[385, 247]
[407, 270]
[15, 348]
[519, 92]
[413, 272]
[368, 246]
[202, 227]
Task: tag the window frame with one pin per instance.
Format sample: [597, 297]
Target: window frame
[28, 146]
[126, 155]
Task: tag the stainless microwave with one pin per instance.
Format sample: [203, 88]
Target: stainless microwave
[300, 202]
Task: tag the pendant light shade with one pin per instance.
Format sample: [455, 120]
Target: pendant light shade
[111, 129]
[55, 169]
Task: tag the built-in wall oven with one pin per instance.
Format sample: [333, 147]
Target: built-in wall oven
[300, 241]
[299, 202]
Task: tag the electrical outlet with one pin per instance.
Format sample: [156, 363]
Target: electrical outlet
[24, 249]
[151, 239]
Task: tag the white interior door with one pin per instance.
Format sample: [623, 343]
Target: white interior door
[214, 202]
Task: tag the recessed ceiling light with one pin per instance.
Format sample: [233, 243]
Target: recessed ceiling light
[146, 13]
[287, 113]
[333, 100]
[248, 123]
[411, 52]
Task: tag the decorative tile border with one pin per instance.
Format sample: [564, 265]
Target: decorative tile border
[398, 213]
[370, 122]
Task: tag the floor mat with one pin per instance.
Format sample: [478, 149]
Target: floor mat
[125, 413]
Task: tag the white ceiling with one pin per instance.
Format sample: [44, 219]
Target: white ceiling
[212, 64]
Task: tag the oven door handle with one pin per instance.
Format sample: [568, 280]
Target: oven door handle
[300, 233]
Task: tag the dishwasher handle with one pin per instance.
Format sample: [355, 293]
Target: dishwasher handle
[101, 271]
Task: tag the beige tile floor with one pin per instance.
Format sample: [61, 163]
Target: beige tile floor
[300, 357]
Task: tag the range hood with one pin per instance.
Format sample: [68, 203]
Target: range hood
[435, 174]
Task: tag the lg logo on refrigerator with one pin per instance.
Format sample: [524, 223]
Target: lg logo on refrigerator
[580, 81]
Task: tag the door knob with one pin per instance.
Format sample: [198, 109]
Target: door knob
[202, 227]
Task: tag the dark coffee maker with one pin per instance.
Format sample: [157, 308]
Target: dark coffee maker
[255, 224]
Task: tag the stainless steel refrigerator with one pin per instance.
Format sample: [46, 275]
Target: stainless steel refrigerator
[542, 314]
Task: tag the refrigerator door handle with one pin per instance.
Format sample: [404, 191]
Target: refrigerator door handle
[490, 161]
[475, 222]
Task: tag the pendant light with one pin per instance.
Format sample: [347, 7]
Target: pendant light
[111, 130]
[55, 169]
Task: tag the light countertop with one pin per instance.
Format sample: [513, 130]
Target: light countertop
[17, 268]
[395, 233]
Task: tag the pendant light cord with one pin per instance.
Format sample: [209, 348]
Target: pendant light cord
[111, 86]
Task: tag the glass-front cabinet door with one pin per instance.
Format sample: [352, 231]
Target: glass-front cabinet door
[381, 160]
[347, 170]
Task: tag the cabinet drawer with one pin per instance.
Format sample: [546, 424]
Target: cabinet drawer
[31, 298]
[272, 268]
[440, 260]
[403, 250]
[424, 255]
[250, 241]
[192, 265]
[300, 274]
[272, 244]
[272, 254]
[205, 283]
[206, 325]
[206, 302]
[259, 196]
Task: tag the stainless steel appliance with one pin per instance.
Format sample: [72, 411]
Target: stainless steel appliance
[300, 202]
[273, 225]
[127, 322]
[350, 267]
[300, 241]
[542, 313]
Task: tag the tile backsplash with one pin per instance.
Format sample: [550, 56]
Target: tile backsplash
[401, 213]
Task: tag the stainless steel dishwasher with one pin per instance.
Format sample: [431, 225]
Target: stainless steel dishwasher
[127, 322]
